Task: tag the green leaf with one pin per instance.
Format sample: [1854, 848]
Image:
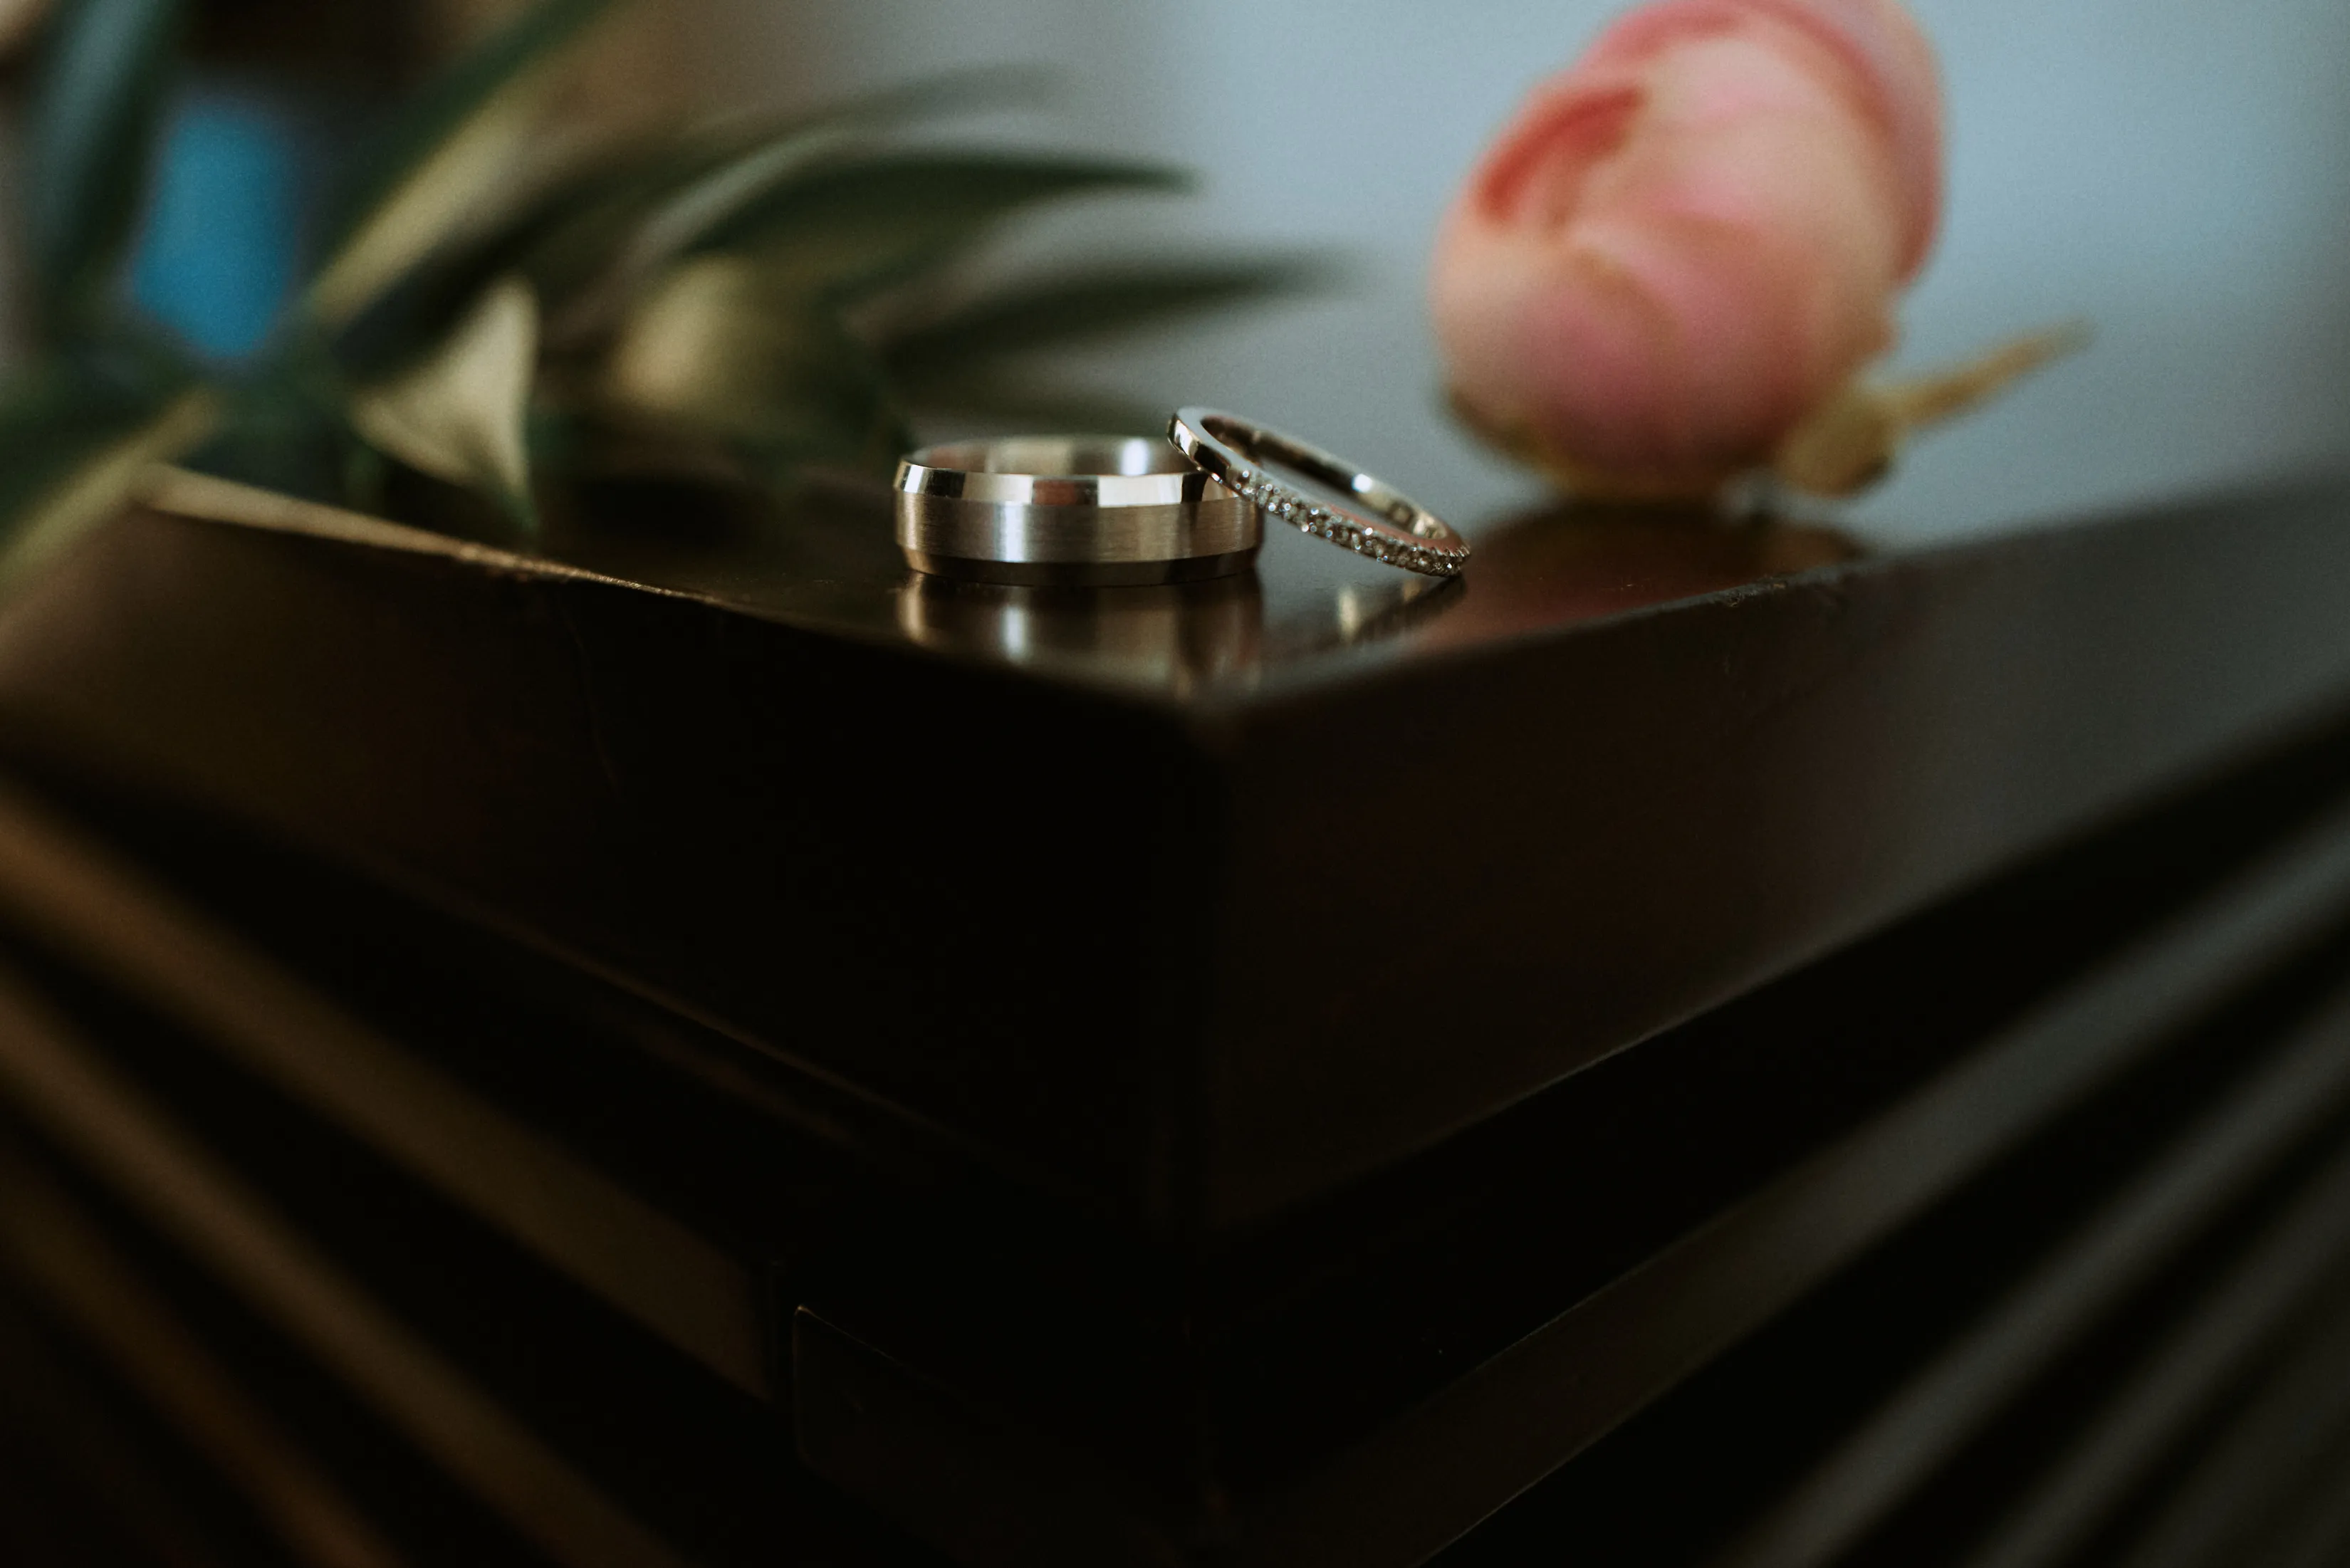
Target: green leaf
[962, 90]
[92, 137]
[440, 110]
[454, 141]
[405, 320]
[717, 353]
[457, 414]
[72, 454]
[615, 229]
[591, 240]
[850, 225]
[712, 149]
[1054, 313]
[279, 432]
[710, 175]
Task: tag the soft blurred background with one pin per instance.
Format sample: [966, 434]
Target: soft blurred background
[2177, 171]
[2173, 171]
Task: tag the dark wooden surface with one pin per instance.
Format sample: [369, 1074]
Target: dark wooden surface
[1193, 906]
[1149, 1077]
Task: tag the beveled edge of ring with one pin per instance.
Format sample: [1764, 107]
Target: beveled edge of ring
[1427, 544]
[931, 471]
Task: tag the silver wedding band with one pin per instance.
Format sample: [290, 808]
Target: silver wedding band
[1094, 510]
[1373, 518]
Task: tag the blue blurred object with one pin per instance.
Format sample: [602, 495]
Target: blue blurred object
[221, 241]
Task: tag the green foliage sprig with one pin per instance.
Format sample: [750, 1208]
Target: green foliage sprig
[752, 301]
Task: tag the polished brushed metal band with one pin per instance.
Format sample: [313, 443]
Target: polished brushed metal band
[1101, 510]
[1376, 520]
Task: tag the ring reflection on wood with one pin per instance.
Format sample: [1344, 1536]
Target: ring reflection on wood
[1171, 637]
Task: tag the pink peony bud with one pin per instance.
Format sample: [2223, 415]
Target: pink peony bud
[1692, 238]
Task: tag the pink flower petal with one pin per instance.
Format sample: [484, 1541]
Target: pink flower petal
[1686, 242]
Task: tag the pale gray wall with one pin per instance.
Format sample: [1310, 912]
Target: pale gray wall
[2177, 170]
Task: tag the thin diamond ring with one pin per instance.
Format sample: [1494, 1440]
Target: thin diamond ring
[1374, 519]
